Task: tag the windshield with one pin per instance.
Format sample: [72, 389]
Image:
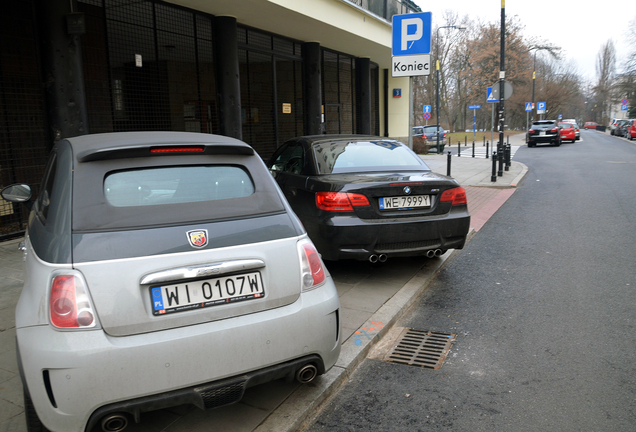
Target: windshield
[360, 156]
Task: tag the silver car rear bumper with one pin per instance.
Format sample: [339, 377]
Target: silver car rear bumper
[71, 374]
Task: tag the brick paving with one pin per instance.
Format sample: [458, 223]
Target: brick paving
[483, 202]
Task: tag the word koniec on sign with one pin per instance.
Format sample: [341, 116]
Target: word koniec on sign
[417, 65]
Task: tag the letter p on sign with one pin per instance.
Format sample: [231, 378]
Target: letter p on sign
[407, 35]
[411, 34]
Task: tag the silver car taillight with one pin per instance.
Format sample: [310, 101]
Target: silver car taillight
[69, 304]
[311, 266]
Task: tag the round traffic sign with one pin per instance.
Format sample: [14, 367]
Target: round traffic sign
[507, 90]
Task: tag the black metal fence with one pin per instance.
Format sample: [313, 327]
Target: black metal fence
[24, 143]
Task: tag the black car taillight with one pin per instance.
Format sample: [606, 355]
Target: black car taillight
[455, 196]
[555, 130]
[340, 201]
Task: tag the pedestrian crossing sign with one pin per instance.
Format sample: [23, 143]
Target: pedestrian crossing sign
[489, 96]
[529, 106]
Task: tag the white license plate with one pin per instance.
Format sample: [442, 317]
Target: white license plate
[404, 202]
[185, 296]
[541, 133]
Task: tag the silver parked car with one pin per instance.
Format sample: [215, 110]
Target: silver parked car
[163, 268]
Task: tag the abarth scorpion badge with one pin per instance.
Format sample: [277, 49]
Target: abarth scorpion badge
[198, 238]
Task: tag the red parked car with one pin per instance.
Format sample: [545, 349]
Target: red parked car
[590, 125]
[630, 132]
[567, 132]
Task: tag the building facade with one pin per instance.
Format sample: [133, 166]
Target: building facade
[261, 71]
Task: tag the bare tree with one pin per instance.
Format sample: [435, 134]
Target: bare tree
[605, 75]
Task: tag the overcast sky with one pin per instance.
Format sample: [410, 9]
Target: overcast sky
[579, 28]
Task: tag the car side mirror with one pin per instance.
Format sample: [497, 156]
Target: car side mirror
[17, 193]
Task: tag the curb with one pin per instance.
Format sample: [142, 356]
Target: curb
[301, 406]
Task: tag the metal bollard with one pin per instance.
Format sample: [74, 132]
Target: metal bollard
[484, 142]
[459, 148]
[507, 157]
[500, 158]
[448, 164]
[473, 148]
[465, 140]
[493, 177]
[487, 153]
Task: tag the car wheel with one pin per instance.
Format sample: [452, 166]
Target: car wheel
[33, 422]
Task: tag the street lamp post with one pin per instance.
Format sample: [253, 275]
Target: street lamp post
[437, 74]
[534, 70]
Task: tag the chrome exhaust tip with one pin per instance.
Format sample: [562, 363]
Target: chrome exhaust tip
[373, 258]
[382, 257]
[306, 374]
[430, 253]
[114, 422]
[438, 252]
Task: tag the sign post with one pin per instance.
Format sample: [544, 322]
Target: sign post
[528, 109]
[490, 98]
[411, 48]
[474, 108]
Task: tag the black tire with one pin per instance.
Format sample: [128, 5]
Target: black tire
[33, 422]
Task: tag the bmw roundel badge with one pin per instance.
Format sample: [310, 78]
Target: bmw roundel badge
[407, 190]
[198, 238]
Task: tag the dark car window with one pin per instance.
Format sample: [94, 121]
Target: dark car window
[291, 159]
[176, 185]
[345, 156]
[544, 123]
[45, 195]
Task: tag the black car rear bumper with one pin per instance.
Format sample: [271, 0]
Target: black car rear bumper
[347, 237]
[544, 139]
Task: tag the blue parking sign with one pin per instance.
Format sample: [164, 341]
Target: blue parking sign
[541, 107]
[412, 34]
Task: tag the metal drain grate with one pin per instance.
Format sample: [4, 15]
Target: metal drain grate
[427, 349]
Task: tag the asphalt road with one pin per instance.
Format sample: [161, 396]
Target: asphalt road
[543, 303]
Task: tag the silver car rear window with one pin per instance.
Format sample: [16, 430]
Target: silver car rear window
[176, 185]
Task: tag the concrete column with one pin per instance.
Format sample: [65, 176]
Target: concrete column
[363, 98]
[228, 85]
[61, 27]
[312, 96]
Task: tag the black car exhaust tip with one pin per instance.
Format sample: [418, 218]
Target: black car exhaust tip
[306, 374]
[116, 422]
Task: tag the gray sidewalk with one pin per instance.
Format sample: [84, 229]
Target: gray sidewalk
[372, 299]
